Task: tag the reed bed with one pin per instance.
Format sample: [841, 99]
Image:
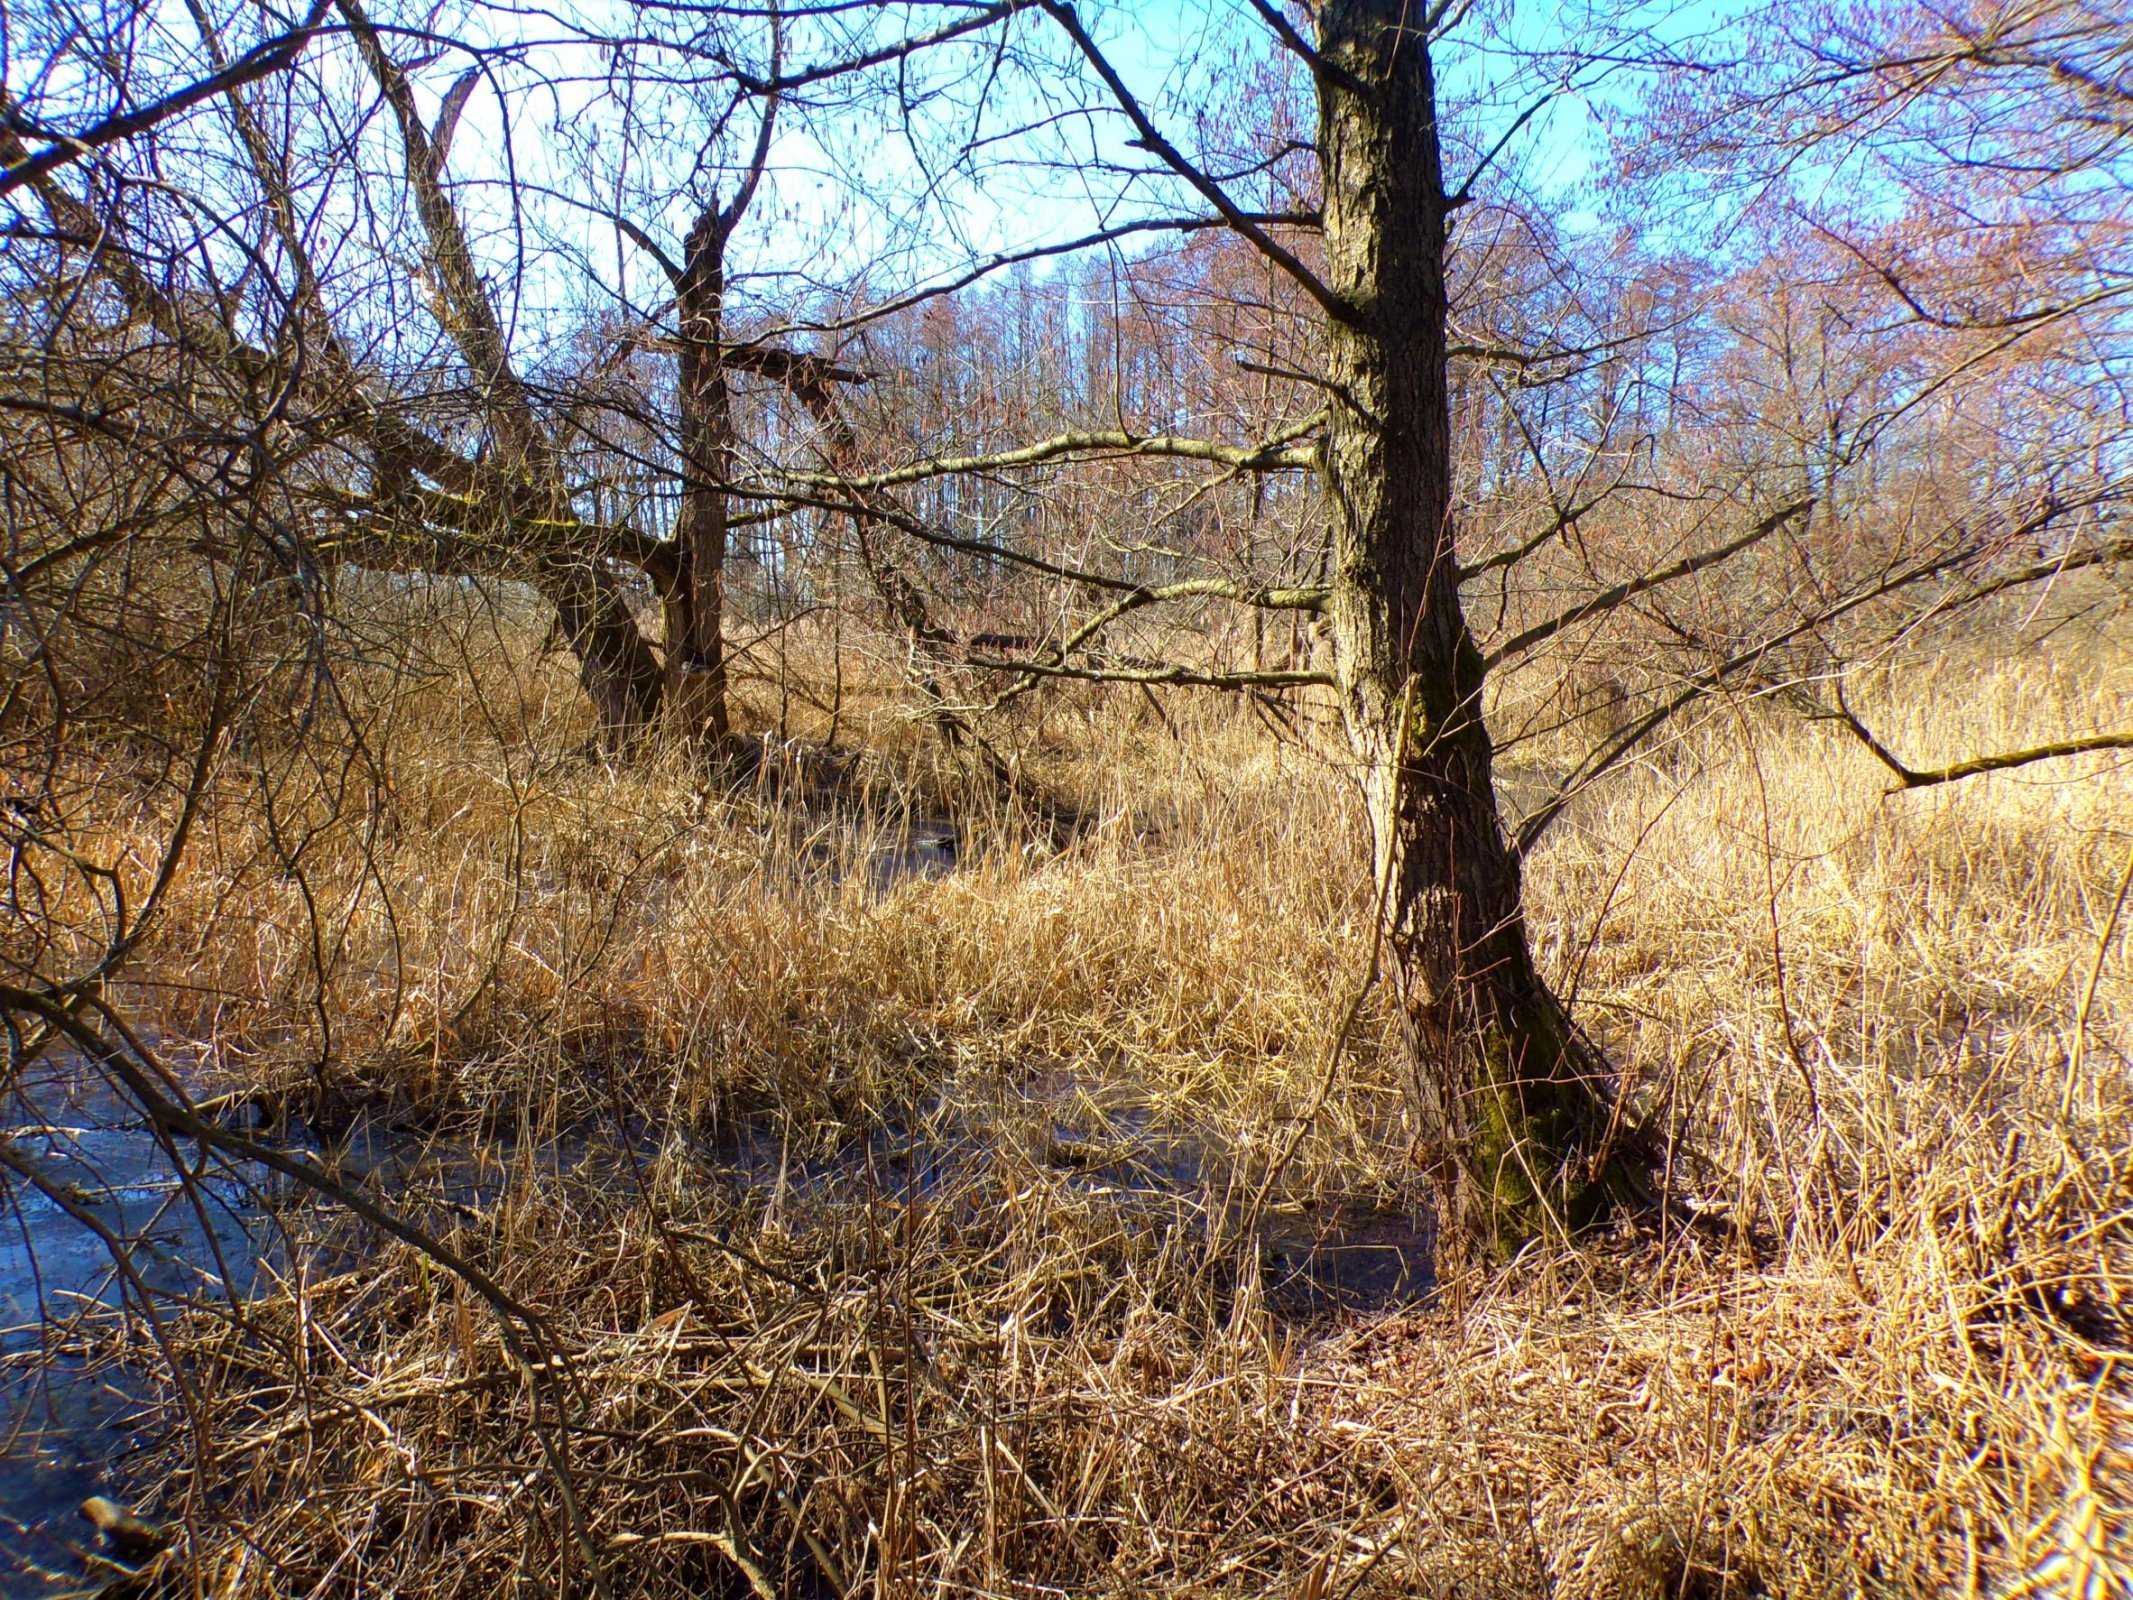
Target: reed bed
[1889, 1037]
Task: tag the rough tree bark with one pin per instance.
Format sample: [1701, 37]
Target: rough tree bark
[696, 658]
[616, 667]
[1516, 1107]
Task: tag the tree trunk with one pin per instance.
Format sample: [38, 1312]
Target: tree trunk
[620, 674]
[1515, 1109]
[696, 652]
[617, 669]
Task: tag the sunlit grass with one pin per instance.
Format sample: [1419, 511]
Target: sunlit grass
[1889, 1034]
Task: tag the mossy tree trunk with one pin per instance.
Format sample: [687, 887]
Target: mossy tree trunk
[1516, 1109]
[617, 668]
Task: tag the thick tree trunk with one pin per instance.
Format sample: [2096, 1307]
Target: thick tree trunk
[617, 669]
[1515, 1108]
[696, 652]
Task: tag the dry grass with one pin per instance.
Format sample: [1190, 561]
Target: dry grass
[1898, 1361]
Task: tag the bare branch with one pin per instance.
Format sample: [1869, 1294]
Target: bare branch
[1087, 241]
[1734, 664]
[1276, 456]
[1151, 137]
[1608, 599]
[262, 60]
[1909, 777]
[1182, 677]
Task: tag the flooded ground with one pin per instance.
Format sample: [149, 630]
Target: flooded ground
[72, 1415]
[917, 850]
[84, 1181]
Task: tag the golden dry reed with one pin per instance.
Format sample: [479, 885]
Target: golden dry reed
[1889, 1035]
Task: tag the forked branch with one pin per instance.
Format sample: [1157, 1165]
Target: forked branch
[1910, 777]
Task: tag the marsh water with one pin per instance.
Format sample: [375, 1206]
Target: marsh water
[84, 1180]
[72, 1415]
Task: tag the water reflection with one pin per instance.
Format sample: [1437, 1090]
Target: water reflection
[81, 1173]
[83, 1185]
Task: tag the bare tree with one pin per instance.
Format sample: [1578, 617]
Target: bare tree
[1525, 446]
[1776, 579]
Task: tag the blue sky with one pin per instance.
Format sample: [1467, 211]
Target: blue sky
[853, 189]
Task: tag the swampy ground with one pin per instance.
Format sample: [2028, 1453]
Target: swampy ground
[899, 1189]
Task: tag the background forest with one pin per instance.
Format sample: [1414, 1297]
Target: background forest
[1320, 798]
